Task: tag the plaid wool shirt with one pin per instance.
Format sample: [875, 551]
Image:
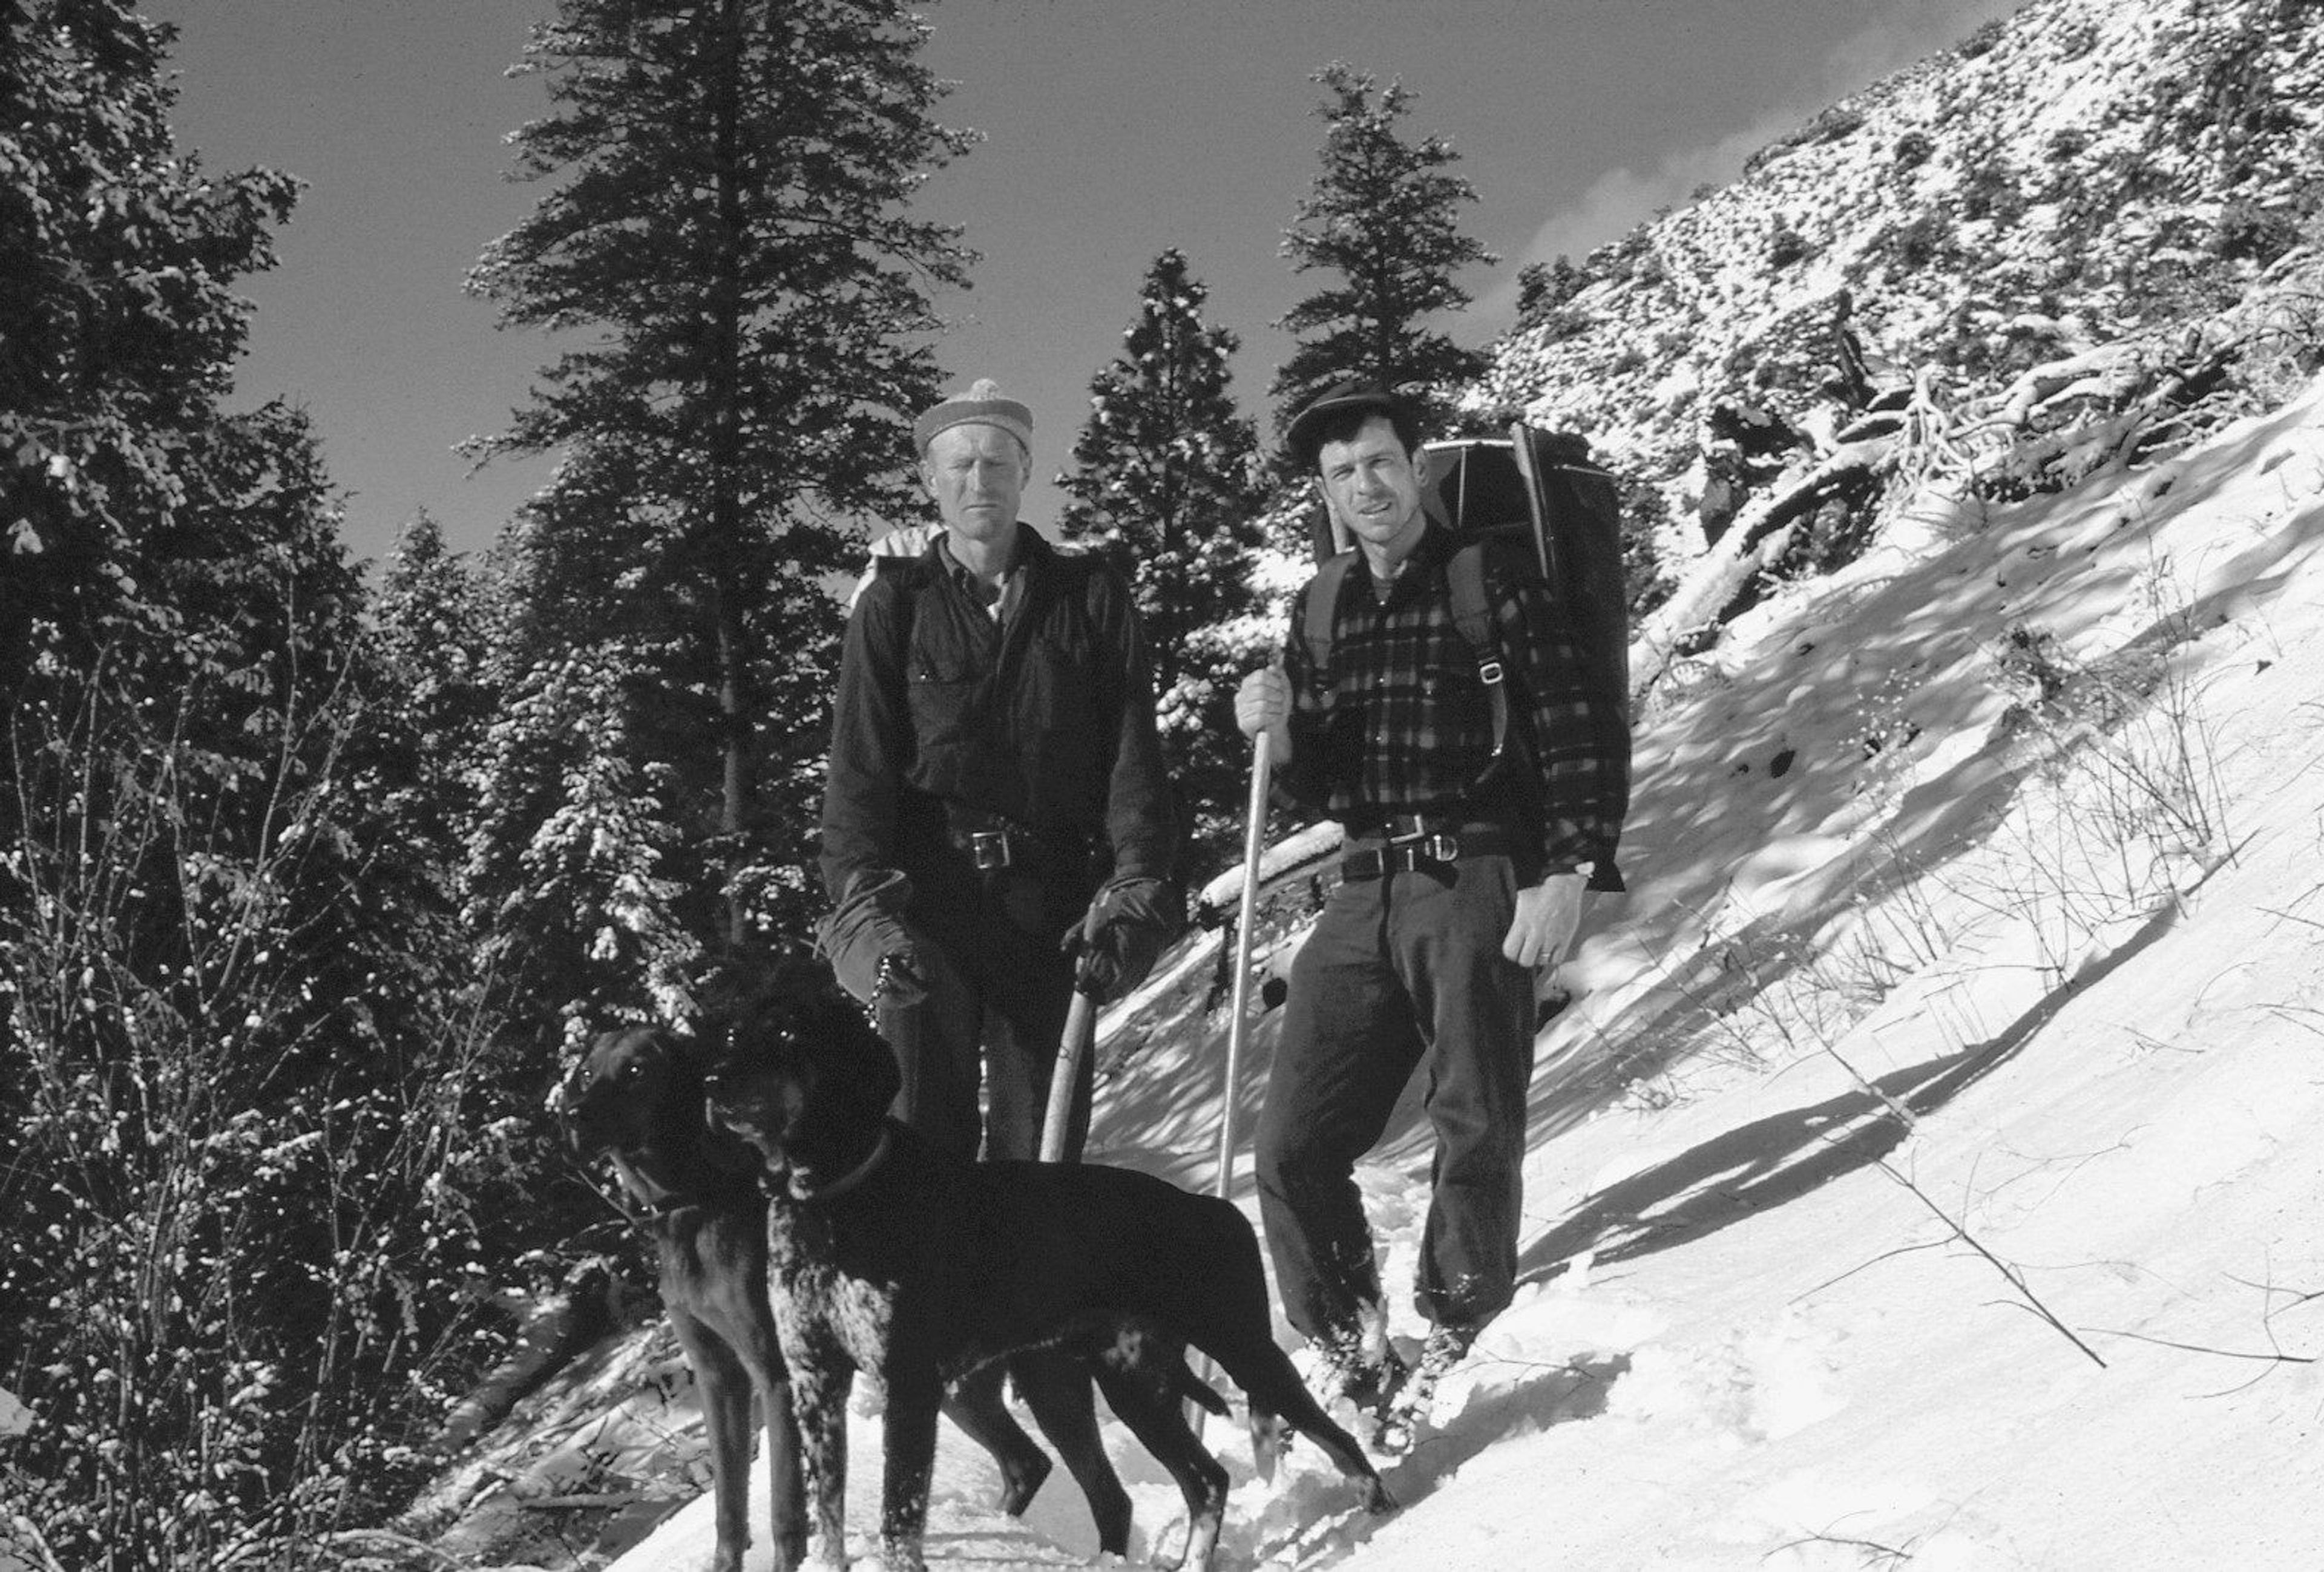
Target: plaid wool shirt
[1402, 723]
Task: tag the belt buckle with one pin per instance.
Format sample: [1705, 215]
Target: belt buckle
[989, 849]
[1426, 845]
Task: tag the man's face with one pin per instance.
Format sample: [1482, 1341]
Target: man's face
[1372, 487]
[976, 473]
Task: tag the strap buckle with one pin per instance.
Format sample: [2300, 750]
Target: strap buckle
[1431, 845]
[1407, 854]
[989, 849]
[1489, 673]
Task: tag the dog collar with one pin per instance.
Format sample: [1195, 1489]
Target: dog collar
[650, 1199]
[847, 1181]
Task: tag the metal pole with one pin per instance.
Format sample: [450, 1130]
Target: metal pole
[1254, 846]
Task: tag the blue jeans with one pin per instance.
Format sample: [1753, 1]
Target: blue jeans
[1400, 970]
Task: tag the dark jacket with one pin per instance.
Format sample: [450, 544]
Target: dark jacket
[1045, 721]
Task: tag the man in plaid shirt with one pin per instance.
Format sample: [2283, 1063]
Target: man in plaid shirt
[1460, 878]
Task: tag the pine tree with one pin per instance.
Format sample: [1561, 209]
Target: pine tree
[1383, 215]
[1167, 482]
[235, 1138]
[433, 626]
[118, 320]
[729, 238]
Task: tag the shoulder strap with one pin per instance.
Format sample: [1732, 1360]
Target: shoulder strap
[909, 574]
[1078, 575]
[1323, 603]
[1472, 613]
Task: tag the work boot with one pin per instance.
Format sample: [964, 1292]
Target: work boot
[1360, 1364]
[1407, 1402]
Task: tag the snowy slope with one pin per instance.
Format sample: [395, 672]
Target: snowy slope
[1753, 1333]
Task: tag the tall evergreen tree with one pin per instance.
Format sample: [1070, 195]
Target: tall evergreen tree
[1384, 215]
[1167, 480]
[234, 1139]
[118, 320]
[434, 624]
[730, 249]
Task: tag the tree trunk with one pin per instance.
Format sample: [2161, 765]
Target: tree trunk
[726, 553]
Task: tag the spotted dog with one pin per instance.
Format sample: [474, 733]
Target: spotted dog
[895, 1259]
[637, 1097]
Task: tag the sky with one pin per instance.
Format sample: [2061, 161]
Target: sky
[1112, 131]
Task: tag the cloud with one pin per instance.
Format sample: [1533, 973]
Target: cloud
[1899, 33]
[1620, 199]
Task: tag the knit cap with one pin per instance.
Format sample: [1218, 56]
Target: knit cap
[981, 405]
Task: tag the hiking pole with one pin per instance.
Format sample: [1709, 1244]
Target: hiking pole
[1080, 1028]
[1254, 846]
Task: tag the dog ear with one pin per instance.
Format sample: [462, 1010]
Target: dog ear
[746, 977]
[732, 985]
[848, 1057]
[701, 1047]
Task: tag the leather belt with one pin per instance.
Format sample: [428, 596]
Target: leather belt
[997, 844]
[1416, 842]
[988, 848]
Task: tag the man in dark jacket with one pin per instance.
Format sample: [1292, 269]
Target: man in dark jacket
[997, 825]
[1459, 879]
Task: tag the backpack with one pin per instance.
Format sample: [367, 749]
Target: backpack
[1544, 486]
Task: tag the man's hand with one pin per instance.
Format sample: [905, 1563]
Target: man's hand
[1263, 704]
[1546, 916]
[867, 940]
[1117, 943]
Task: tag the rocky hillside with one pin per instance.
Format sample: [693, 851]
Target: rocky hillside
[2074, 239]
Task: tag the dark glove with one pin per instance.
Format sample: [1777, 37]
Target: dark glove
[1116, 945]
[866, 941]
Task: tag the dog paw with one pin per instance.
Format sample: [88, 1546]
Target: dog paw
[1270, 1439]
[1020, 1486]
[899, 1556]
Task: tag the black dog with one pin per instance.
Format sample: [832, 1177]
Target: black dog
[638, 1096]
[891, 1257]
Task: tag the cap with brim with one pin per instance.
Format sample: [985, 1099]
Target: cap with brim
[982, 405]
[1301, 440]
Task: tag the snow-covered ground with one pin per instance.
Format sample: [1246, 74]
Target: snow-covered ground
[1929, 1171]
